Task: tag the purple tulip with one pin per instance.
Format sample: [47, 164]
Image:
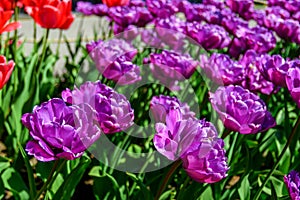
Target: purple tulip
[208, 36]
[172, 32]
[287, 29]
[183, 6]
[240, 6]
[143, 16]
[161, 105]
[113, 110]
[128, 33]
[293, 83]
[178, 137]
[170, 67]
[88, 9]
[296, 16]
[278, 11]
[161, 8]
[231, 23]
[276, 2]
[274, 68]
[85, 8]
[218, 3]
[241, 111]
[151, 39]
[213, 15]
[100, 10]
[137, 3]
[292, 182]
[123, 15]
[259, 39]
[60, 131]
[209, 169]
[221, 69]
[292, 5]
[113, 60]
[254, 80]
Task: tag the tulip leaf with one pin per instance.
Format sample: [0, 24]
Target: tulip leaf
[13, 182]
[68, 187]
[244, 189]
[29, 172]
[146, 192]
[2, 191]
[106, 187]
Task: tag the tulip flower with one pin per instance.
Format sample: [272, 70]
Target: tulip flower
[113, 110]
[241, 111]
[4, 26]
[111, 3]
[5, 70]
[292, 182]
[51, 14]
[60, 131]
[10, 4]
[161, 105]
[293, 83]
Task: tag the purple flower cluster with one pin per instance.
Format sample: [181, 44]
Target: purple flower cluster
[170, 67]
[113, 59]
[241, 111]
[66, 131]
[259, 39]
[59, 130]
[292, 182]
[195, 142]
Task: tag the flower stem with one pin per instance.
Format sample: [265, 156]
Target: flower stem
[293, 133]
[59, 41]
[226, 132]
[15, 41]
[48, 180]
[164, 183]
[43, 50]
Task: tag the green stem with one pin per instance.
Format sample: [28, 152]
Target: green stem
[44, 187]
[16, 33]
[43, 50]
[34, 37]
[293, 133]
[59, 41]
[165, 181]
[226, 132]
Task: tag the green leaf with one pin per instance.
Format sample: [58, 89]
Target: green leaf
[147, 195]
[192, 191]
[14, 183]
[106, 187]
[166, 195]
[207, 194]
[68, 187]
[273, 192]
[244, 189]
[2, 191]
[29, 172]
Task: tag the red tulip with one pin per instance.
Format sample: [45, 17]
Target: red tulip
[111, 3]
[5, 70]
[50, 13]
[4, 17]
[10, 4]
